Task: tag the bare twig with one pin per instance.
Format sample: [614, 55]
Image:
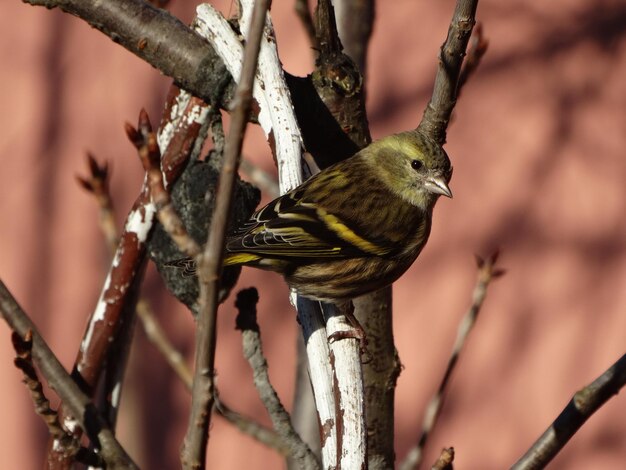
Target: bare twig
[116, 305]
[97, 184]
[251, 428]
[175, 359]
[157, 336]
[486, 273]
[437, 113]
[477, 48]
[82, 410]
[145, 141]
[260, 178]
[64, 439]
[580, 408]
[209, 264]
[253, 352]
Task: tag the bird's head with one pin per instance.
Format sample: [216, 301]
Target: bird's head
[414, 166]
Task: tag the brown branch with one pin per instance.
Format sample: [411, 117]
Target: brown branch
[155, 36]
[253, 352]
[174, 358]
[145, 141]
[112, 319]
[97, 184]
[159, 339]
[437, 114]
[77, 403]
[477, 48]
[105, 332]
[181, 128]
[63, 439]
[486, 273]
[117, 300]
[580, 408]
[177, 51]
[193, 453]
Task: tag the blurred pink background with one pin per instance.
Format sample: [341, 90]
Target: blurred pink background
[537, 143]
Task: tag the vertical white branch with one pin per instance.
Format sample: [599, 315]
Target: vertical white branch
[289, 146]
[277, 118]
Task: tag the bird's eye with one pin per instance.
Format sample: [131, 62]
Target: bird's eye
[416, 164]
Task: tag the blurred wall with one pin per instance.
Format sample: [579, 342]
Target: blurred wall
[537, 143]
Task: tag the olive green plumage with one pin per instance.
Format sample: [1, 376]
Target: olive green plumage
[354, 227]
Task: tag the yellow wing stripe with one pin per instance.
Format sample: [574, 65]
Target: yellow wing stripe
[239, 258]
[348, 235]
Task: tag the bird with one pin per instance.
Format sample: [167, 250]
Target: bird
[352, 228]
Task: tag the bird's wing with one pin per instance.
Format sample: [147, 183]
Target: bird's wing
[292, 227]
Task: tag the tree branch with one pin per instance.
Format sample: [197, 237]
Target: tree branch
[193, 453]
[253, 352]
[81, 408]
[64, 439]
[486, 273]
[437, 113]
[580, 408]
[152, 34]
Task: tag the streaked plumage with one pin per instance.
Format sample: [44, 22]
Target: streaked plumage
[354, 227]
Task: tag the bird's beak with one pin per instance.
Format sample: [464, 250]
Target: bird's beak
[437, 185]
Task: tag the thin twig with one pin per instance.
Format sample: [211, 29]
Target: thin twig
[476, 50]
[437, 113]
[253, 352]
[116, 305]
[486, 273]
[145, 141]
[157, 336]
[579, 409]
[175, 359]
[193, 453]
[78, 404]
[114, 310]
[97, 184]
[251, 428]
[62, 438]
[261, 178]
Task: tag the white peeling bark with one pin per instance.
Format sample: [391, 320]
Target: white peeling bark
[342, 380]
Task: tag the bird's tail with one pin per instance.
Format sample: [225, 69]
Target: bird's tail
[188, 265]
